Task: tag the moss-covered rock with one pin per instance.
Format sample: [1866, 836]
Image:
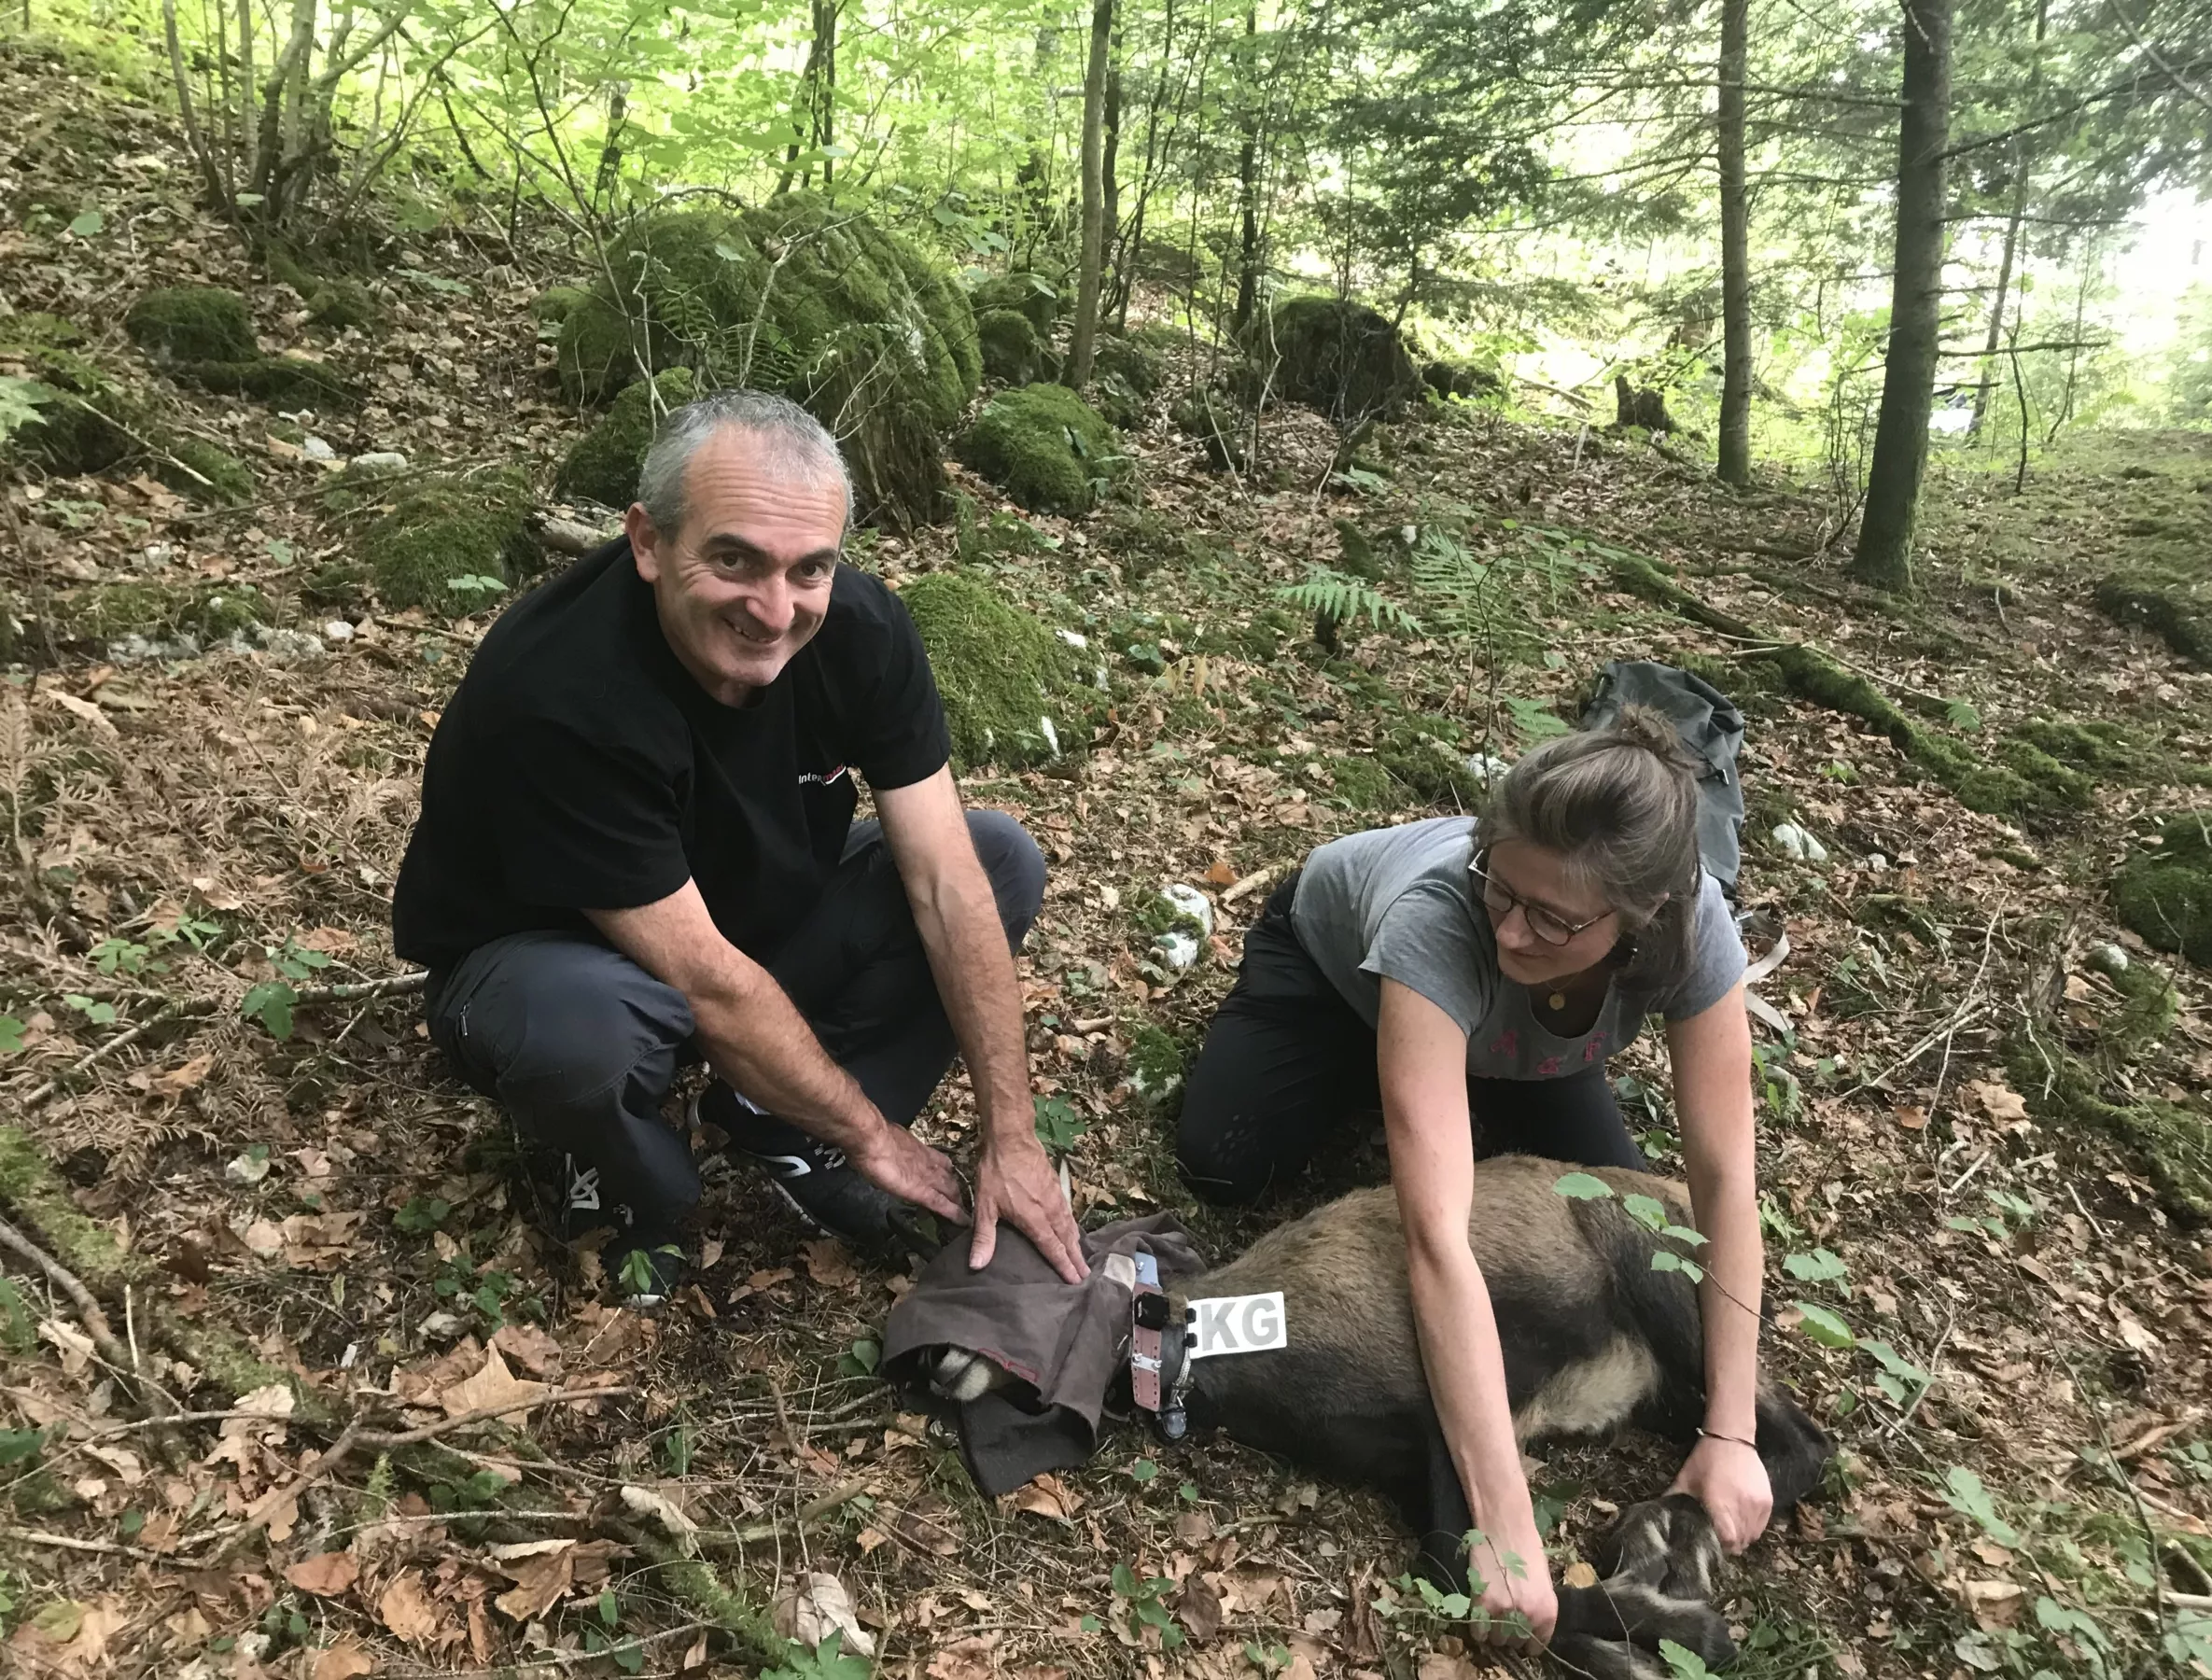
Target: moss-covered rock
[2164, 893]
[1013, 354]
[445, 542]
[207, 612]
[1011, 689]
[205, 472]
[1135, 363]
[192, 324]
[1155, 1066]
[80, 426]
[34, 1194]
[602, 466]
[2174, 1143]
[1116, 402]
[1044, 446]
[2170, 613]
[821, 304]
[286, 379]
[1026, 293]
[556, 303]
[1217, 423]
[336, 300]
[1339, 357]
[1464, 380]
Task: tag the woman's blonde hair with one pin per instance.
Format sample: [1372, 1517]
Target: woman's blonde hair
[1620, 805]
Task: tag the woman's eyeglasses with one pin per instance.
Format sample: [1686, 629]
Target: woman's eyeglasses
[1501, 900]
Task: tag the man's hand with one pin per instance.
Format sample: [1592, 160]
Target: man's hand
[892, 1158]
[1730, 1480]
[1015, 1182]
[1528, 1592]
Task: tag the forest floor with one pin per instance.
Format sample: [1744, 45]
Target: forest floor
[317, 1228]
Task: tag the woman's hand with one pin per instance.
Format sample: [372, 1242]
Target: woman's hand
[1515, 1578]
[1731, 1480]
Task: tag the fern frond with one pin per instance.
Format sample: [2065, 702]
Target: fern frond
[1327, 593]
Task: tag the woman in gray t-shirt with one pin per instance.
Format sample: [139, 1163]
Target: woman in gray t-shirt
[1462, 972]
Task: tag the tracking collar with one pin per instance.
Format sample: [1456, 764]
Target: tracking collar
[1158, 1372]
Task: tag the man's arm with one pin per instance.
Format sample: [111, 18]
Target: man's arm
[926, 830]
[758, 1041]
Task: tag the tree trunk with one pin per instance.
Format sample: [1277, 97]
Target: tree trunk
[1883, 557]
[1248, 178]
[1085, 331]
[610, 149]
[1735, 251]
[825, 92]
[1110, 177]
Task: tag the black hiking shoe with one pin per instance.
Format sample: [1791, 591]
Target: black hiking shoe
[563, 1194]
[823, 1188]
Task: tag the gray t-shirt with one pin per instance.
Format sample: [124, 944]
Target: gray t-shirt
[1399, 903]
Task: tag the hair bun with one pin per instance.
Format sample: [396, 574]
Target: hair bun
[1651, 729]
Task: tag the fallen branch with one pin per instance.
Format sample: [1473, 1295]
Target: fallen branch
[114, 1548]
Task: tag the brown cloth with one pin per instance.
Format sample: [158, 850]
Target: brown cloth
[1064, 1342]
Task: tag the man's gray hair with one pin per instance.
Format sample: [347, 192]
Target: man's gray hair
[789, 438]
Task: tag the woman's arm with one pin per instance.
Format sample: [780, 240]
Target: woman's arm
[1712, 1060]
[1423, 1060]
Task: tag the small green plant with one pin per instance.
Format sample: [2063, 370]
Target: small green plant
[272, 1001]
[627, 1655]
[1057, 1124]
[639, 1276]
[1146, 1606]
[1681, 1662]
[1269, 1660]
[825, 1661]
[422, 1215]
[1336, 598]
[11, 1035]
[861, 1359]
[1535, 720]
[1647, 1211]
[19, 401]
[97, 1013]
[474, 583]
[2013, 1214]
[1963, 1492]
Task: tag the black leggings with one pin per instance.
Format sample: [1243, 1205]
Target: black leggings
[1288, 1063]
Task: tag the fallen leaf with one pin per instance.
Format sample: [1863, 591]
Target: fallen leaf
[174, 1083]
[327, 1574]
[1047, 1496]
[83, 709]
[1911, 1117]
[815, 1605]
[1197, 1607]
[1579, 1574]
[830, 1264]
[1998, 1101]
[531, 1348]
[342, 1662]
[1221, 874]
[644, 1502]
[1994, 1605]
[406, 1612]
[967, 1659]
[540, 1584]
[494, 1385]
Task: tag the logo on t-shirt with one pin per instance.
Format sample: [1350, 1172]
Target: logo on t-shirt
[821, 779]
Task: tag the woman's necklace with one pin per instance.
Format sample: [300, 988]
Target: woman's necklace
[1557, 1000]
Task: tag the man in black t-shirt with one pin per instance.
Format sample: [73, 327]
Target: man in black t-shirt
[636, 848]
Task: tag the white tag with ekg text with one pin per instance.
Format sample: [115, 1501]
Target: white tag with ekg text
[1253, 1323]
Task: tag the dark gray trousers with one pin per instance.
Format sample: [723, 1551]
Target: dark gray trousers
[580, 1044]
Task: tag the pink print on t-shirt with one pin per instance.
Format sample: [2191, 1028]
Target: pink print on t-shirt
[1594, 1049]
[1505, 1043]
[1547, 1067]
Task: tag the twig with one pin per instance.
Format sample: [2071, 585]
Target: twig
[88, 1306]
[1250, 883]
[197, 1008]
[1935, 1360]
[550, 1660]
[70, 1543]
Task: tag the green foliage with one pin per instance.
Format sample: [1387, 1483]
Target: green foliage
[1045, 447]
[192, 324]
[1010, 688]
[1963, 1491]
[825, 1661]
[440, 533]
[1025, 293]
[1058, 1125]
[2164, 893]
[105, 612]
[1146, 1600]
[1335, 599]
[602, 466]
[1156, 1064]
[1335, 354]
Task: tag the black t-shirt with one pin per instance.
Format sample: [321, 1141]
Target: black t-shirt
[580, 766]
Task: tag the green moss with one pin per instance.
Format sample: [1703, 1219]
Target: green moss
[1335, 354]
[1044, 446]
[192, 324]
[274, 378]
[82, 426]
[797, 297]
[556, 303]
[2106, 746]
[1012, 355]
[1028, 294]
[35, 1193]
[1156, 1064]
[1426, 755]
[215, 475]
[1363, 783]
[2150, 604]
[1132, 361]
[694, 1584]
[208, 611]
[338, 583]
[1001, 672]
[337, 301]
[2174, 1143]
[1111, 395]
[2166, 894]
[438, 530]
[602, 466]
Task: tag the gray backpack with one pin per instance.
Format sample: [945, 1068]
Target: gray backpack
[1712, 730]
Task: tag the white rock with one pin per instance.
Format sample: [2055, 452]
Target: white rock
[1796, 843]
[1486, 769]
[378, 460]
[1190, 902]
[285, 644]
[247, 1169]
[440, 1326]
[2106, 959]
[155, 553]
[1176, 948]
[1876, 862]
[318, 449]
[1074, 639]
[338, 630]
[1051, 736]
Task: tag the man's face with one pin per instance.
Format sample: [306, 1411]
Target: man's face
[745, 582]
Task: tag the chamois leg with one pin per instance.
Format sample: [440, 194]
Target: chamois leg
[1434, 1507]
